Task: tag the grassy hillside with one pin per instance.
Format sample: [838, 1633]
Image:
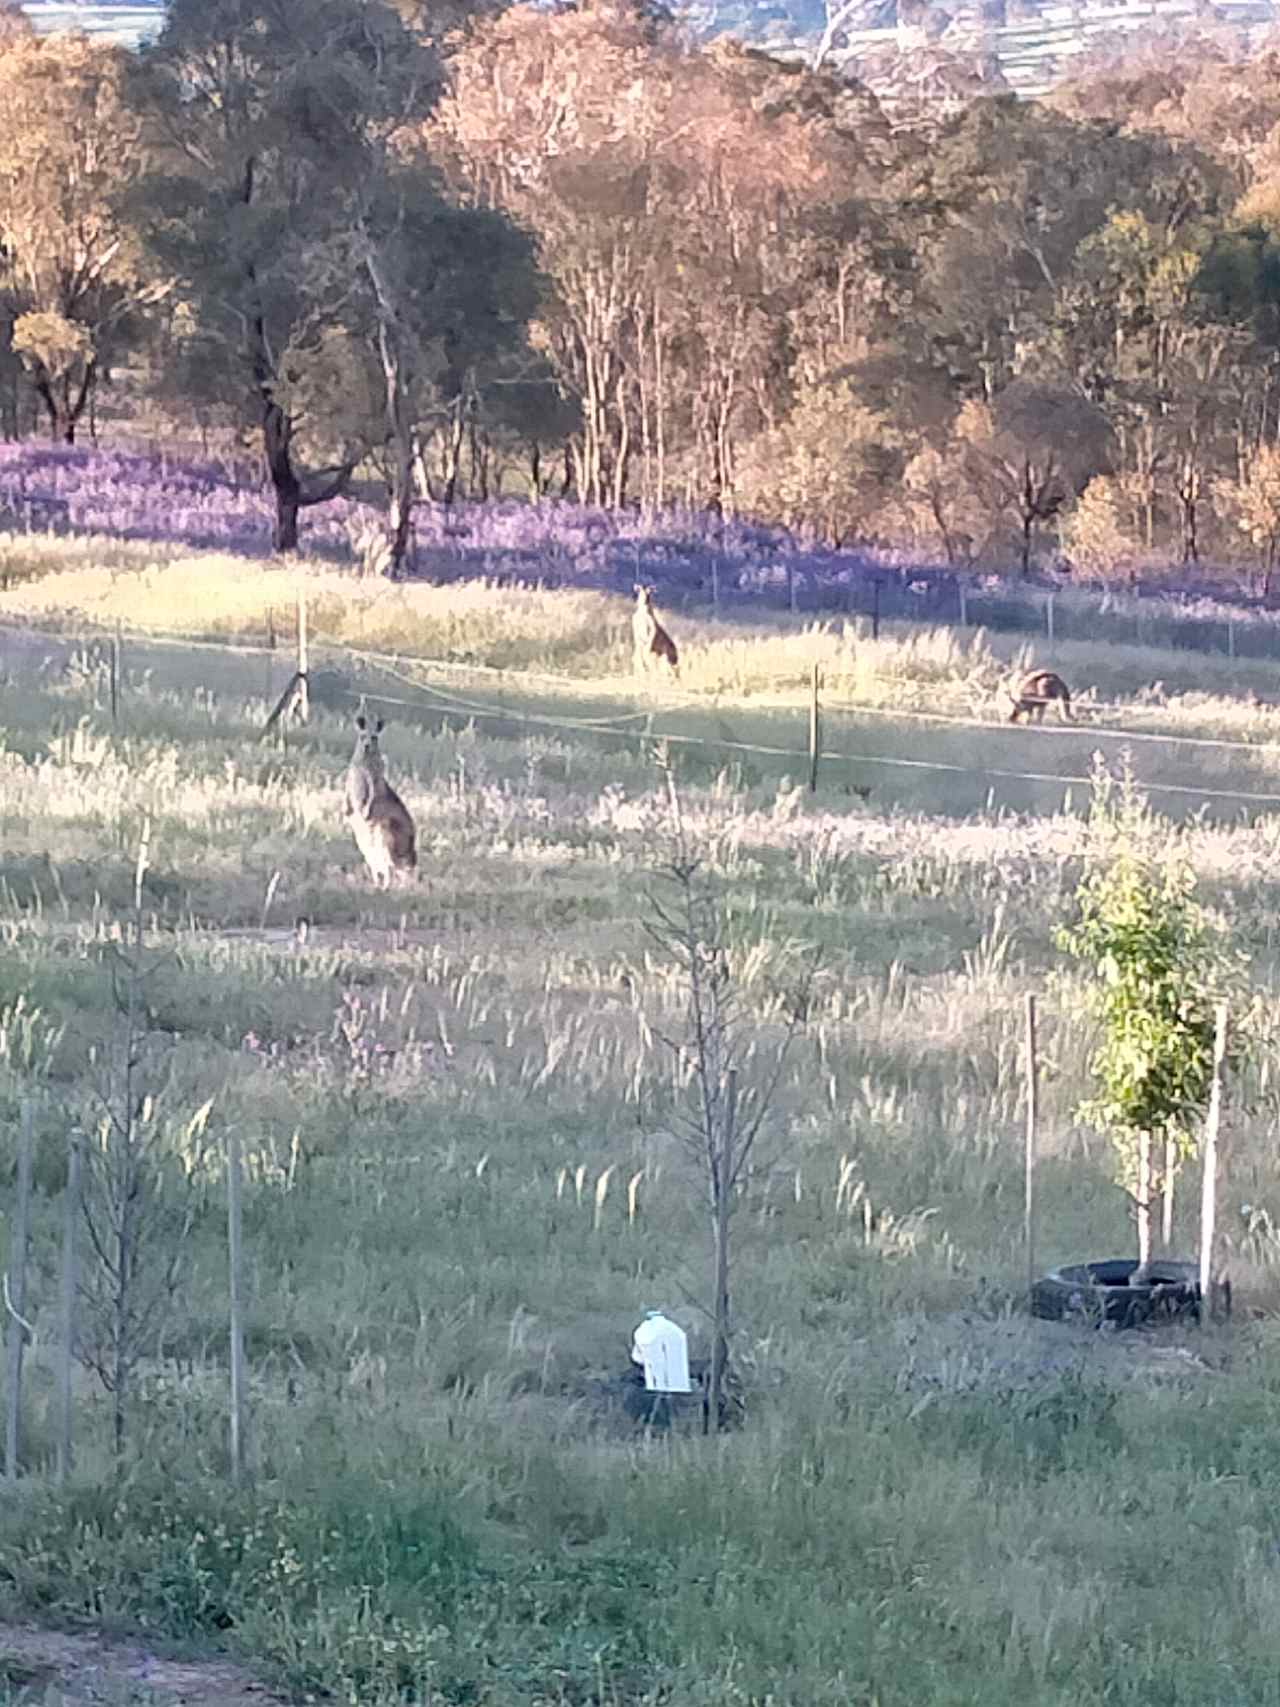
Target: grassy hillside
[466, 1181]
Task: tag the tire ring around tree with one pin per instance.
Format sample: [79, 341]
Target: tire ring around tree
[1101, 1292]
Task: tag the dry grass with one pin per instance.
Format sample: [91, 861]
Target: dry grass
[585, 637]
[467, 1181]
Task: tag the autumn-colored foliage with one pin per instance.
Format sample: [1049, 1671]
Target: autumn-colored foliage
[572, 252]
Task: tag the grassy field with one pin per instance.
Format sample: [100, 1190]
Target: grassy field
[466, 1177]
[518, 659]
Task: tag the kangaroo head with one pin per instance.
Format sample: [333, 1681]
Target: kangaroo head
[644, 594]
[367, 750]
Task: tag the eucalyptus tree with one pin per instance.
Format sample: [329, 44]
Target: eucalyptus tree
[265, 119]
[71, 286]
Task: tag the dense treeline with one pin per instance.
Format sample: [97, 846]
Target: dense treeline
[571, 252]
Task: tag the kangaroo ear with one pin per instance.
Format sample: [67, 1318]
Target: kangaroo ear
[379, 726]
[360, 724]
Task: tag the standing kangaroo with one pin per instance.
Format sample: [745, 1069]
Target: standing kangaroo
[379, 818]
[650, 641]
[1034, 694]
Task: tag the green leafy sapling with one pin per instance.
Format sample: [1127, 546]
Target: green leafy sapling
[1159, 964]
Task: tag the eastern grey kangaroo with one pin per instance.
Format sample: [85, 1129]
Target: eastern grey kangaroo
[650, 641]
[379, 818]
[1034, 695]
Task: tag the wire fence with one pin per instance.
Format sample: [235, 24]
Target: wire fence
[445, 697]
[624, 726]
[429, 698]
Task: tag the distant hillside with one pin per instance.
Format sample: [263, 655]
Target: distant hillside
[906, 51]
[126, 24]
[913, 51]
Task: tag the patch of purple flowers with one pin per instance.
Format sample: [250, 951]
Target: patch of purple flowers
[692, 557]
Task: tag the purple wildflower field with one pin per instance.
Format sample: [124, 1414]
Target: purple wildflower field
[691, 557]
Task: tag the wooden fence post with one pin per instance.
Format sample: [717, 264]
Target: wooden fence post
[302, 705]
[815, 731]
[16, 1295]
[1033, 1114]
[67, 1312]
[115, 675]
[1210, 1288]
[288, 698]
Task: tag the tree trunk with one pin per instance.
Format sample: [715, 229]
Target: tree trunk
[660, 403]
[938, 508]
[65, 404]
[399, 426]
[277, 433]
[1190, 545]
[623, 456]
[62, 429]
[400, 508]
[422, 487]
[1189, 493]
[121, 1335]
[453, 452]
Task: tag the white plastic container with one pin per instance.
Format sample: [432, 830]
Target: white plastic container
[663, 1349]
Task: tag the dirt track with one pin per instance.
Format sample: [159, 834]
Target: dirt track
[60, 1670]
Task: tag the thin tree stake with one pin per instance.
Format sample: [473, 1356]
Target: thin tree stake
[1033, 1113]
[723, 1167]
[1166, 1206]
[1209, 1164]
[1143, 1207]
[237, 1431]
[67, 1310]
[16, 1328]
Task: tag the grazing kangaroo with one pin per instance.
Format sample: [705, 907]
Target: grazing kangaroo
[1036, 691]
[379, 818]
[650, 641]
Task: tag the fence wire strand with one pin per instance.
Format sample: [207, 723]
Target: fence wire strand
[448, 703]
